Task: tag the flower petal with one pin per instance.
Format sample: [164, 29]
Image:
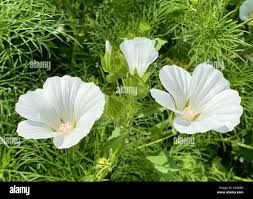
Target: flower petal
[224, 108]
[196, 126]
[34, 106]
[218, 106]
[68, 140]
[82, 129]
[245, 9]
[164, 99]
[61, 92]
[89, 106]
[206, 83]
[139, 52]
[34, 130]
[108, 47]
[89, 99]
[176, 81]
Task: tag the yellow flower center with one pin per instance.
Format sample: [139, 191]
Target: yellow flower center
[188, 114]
[65, 128]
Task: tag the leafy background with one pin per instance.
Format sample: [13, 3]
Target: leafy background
[133, 141]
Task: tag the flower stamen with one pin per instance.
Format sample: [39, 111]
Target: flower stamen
[65, 128]
[188, 114]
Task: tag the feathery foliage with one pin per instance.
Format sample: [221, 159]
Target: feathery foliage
[134, 140]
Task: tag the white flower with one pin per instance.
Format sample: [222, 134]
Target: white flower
[201, 102]
[108, 47]
[65, 110]
[59, 29]
[246, 10]
[140, 53]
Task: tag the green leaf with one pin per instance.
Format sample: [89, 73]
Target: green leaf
[103, 122]
[115, 65]
[162, 163]
[114, 144]
[115, 133]
[137, 82]
[159, 43]
[162, 169]
[88, 178]
[118, 109]
[106, 62]
[161, 159]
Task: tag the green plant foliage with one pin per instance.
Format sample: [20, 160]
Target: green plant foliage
[134, 140]
[27, 28]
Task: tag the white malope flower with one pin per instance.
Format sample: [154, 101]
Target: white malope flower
[202, 101]
[65, 110]
[246, 10]
[59, 29]
[108, 47]
[139, 52]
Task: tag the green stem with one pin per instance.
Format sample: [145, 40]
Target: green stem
[243, 179]
[236, 143]
[155, 142]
